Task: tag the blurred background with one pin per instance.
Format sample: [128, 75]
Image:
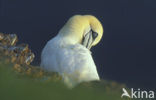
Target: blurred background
[127, 52]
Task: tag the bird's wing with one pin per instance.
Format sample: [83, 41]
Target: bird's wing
[73, 62]
[76, 64]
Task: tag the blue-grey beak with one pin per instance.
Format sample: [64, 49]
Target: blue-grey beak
[89, 38]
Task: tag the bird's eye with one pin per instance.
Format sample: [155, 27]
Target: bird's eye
[94, 34]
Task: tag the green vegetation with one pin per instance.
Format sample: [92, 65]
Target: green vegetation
[19, 86]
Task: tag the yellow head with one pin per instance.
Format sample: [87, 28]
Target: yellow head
[78, 26]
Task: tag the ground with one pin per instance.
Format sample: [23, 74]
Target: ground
[38, 85]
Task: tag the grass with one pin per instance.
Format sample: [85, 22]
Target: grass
[15, 85]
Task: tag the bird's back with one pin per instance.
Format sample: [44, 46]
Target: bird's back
[73, 62]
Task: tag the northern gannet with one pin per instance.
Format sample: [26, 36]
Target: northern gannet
[68, 53]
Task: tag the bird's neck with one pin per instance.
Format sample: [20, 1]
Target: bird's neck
[68, 39]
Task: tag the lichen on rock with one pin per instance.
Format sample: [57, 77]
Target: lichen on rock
[20, 54]
[21, 57]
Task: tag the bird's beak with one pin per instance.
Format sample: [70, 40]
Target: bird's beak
[89, 38]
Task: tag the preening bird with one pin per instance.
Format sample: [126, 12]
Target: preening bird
[68, 53]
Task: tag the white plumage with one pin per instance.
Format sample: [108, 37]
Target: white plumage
[72, 60]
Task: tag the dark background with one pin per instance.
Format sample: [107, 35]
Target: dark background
[127, 52]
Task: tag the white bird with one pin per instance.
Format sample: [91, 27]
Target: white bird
[69, 54]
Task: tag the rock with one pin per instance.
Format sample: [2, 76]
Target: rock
[8, 39]
[20, 57]
[20, 54]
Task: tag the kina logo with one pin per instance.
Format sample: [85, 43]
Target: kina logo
[138, 94]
